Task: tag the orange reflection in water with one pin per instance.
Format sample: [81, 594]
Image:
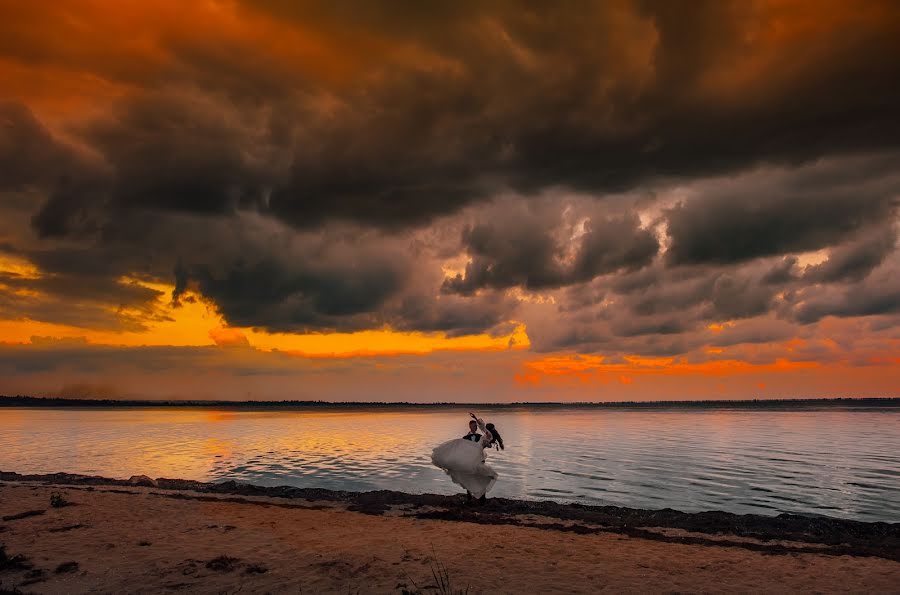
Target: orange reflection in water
[635, 458]
[212, 436]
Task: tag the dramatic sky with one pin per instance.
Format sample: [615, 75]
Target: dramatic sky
[467, 201]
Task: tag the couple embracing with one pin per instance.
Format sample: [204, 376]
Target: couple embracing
[463, 459]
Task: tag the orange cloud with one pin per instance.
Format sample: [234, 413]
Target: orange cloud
[228, 337]
[387, 342]
[197, 322]
[73, 58]
[780, 39]
[577, 368]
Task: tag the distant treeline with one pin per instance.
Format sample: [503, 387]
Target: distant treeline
[24, 401]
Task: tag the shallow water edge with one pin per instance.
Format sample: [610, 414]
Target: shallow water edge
[783, 534]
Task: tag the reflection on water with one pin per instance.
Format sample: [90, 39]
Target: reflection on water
[837, 462]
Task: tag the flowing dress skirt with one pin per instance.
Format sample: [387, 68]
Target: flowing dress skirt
[463, 461]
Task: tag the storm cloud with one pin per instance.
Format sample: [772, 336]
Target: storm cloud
[782, 211]
[619, 177]
[466, 100]
[545, 244]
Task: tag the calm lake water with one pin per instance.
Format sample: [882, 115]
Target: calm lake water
[841, 463]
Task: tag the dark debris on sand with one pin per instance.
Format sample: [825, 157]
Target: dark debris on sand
[255, 569]
[840, 535]
[58, 500]
[223, 564]
[67, 528]
[17, 562]
[33, 576]
[23, 515]
[66, 567]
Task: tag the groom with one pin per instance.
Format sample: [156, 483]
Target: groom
[473, 434]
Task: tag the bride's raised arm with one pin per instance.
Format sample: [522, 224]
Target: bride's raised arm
[487, 437]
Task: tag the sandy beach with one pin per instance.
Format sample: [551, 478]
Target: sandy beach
[149, 536]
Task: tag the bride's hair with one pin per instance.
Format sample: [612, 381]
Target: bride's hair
[496, 436]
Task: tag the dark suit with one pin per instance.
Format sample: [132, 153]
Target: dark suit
[474, 437]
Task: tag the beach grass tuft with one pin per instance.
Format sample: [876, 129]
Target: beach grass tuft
[443, 584]
[58, 500]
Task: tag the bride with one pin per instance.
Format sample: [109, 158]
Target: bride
[464, 460]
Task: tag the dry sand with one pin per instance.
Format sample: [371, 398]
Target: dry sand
[149, 540]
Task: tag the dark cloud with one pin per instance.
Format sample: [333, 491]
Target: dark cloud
[757, 330]
[32, 159]
[72, 208]
[548, 245]
[260, 273]
[453, 315]
[305, 193]
[783, 272]
[516, 247]
[29, 154]
[78, 288]
[104, 313]
[734, 296]
[855, 260]
[779, 212]
[657, 310]
[709, 295]
[101, 289]
[670, 293]
[878, 294]
[281, 297]
[606, 95]
[594, 98]
[183, 151]
[650, 325]
[611, 244]
[92, 262]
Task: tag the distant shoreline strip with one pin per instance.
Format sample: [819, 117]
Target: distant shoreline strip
[768, 404]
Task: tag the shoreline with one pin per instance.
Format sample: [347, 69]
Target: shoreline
[789, 404]
[66, 533]
[838, 536]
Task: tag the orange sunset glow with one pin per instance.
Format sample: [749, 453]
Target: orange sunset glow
[614, 201]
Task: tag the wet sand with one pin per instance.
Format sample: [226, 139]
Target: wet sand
[149, 536]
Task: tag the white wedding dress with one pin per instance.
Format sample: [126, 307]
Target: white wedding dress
[464, 461]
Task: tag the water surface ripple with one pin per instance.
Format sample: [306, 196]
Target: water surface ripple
[842, 463]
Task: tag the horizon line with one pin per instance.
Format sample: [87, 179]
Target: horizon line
[5, 400]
